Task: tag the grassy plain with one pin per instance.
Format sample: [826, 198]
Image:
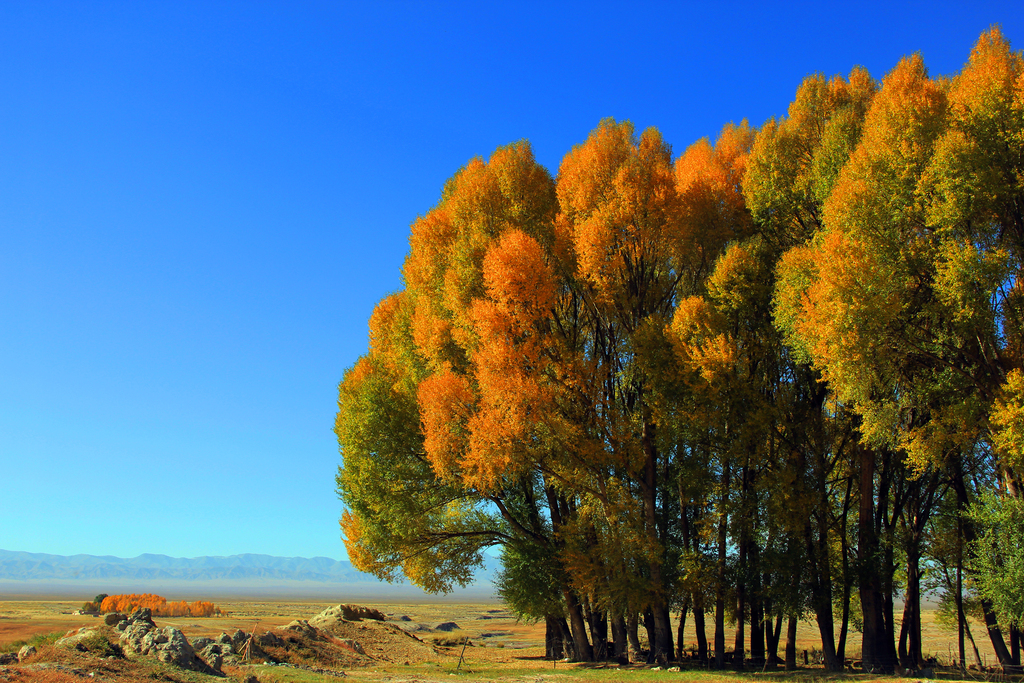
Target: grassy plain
[502, 649]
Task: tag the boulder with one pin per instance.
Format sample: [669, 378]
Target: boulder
[8, 658]
[113, 618]
[200, 642]
[217, 654]
[169, 645]
[80, 639]
[25, 652]
[303, 627]
[270, 639]
[141, 615]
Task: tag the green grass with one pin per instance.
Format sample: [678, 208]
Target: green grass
[35, 641]
[472, 673]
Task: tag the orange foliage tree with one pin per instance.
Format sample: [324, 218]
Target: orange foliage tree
[664, 383]
[159, 605]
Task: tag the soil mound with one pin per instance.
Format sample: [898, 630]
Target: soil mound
[345, 644]
[346, 613]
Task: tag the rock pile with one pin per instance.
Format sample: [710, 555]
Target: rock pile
[141, 637]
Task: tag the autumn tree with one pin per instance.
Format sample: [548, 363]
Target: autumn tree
[902, 299]
[743, 381]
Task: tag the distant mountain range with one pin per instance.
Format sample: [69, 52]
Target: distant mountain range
[20, 566]
[22, 572]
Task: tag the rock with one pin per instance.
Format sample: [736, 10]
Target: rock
[270, 639]
[121, 625]
[8, 658]
[333, 615]
[303, 627]
[141, 615]
[131, 637]
[169, 645]
[446, 626]
[113, 618]
[200, 642]
[224, 639]
[80, 639]
[25, 652]
[238, 638]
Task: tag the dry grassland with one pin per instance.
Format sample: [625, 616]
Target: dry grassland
[501, 647]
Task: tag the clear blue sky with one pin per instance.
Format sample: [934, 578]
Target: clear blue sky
[200, 203]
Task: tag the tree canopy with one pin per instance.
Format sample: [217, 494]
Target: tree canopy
[778, 375]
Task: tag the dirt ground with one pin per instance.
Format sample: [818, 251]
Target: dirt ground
[486, 624]
[497, 642]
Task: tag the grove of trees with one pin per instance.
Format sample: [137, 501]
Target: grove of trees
[780, 375]
[158, 604]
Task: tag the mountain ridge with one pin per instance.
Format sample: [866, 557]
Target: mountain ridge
[25, 566]
[150, 568]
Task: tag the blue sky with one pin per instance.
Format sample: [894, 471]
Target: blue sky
[200, 203]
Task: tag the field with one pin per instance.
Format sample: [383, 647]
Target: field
[500, 647]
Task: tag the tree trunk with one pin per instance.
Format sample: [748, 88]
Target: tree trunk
[681, 631]
[720, 587]
[772, 654]
[960, 606]
[901, 651]
[554, 643]
[757, 623]
[583, 651]
[995, 634]
[876, 653]
[969, 536]
[821, 590]
[649, 627]
[661, 625]
[974, 645]
[738, 653]
[599, 634]
[915, 654]
[699, 627]
[619, 645]
[791, 643]
[633, 637]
